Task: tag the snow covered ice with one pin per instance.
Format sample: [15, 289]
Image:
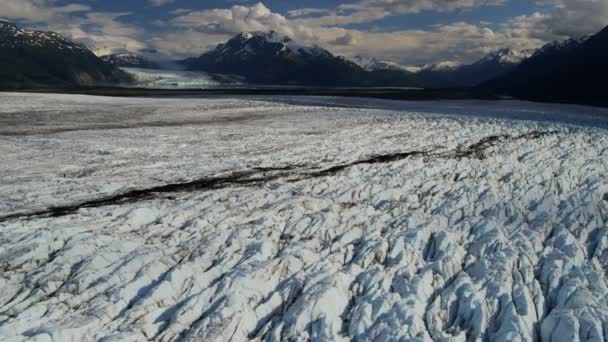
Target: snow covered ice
[170, 79]
[324, 219]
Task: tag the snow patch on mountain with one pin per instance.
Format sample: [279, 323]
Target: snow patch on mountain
[130, 60]
[273, 37]
[442, 66]
[561, 45]
[12, 36]
[507, 56]
[375, 64]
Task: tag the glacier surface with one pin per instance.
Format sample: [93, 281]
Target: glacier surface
[173, 79]
[323, 219]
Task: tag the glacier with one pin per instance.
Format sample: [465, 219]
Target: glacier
[169, 79]
[301, 218]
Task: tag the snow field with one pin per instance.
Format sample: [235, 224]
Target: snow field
[333, 222]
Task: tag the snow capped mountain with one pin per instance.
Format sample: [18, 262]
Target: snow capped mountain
[375, 64]
[506, 56]
[39, 58]
[249, 44]
[500, 57]
[13, 37]
[573, 70]
[449, 74]
[558, 46]
[272, 58]
[441, 66]
[130, 60]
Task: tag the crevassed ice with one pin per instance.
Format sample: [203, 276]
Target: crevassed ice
[508, 244]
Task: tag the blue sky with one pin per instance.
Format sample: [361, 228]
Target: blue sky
[410, 32]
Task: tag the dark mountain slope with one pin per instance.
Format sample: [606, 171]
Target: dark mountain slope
[572, 71]
[491, 66]
[37, 59]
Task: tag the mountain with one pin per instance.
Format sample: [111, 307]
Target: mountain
[37, 58]
[375, 64]
[386, 73]
[130, 60]
[441, 67]
[569, 71]
[271, 58]
[448, 75]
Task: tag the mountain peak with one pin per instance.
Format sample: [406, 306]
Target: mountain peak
[13, 36]
[506, 56]
[376, 64]
[557, 46]
[72, 63]
[442, 66]
[264, 42]
[130, 60]
[273, 58]
[4, 25]
[269, 36]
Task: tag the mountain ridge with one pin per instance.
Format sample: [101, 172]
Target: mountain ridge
[44, 58]
[130, 60]
[570, 71]
[271, 58]
[488, 67]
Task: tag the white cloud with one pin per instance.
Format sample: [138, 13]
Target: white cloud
[371, 10]
[158, 3]
[346, 39]
[105, 34]
[102, 32]
[564, 19]
[37, 10]
[240, 18]
[573, 18]
[302, 12]
[459, 42]
[393, 7]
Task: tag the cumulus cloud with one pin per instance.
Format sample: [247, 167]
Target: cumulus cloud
[564, 19]
[458, 42]
[573, 18]
[37, 10]
[102, 32]
[105, 34]
[238, 19]
[347, 39]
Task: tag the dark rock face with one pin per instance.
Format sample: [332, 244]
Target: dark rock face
[570, 71]
[39, 59]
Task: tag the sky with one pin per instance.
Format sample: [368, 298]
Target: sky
[409, 32]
